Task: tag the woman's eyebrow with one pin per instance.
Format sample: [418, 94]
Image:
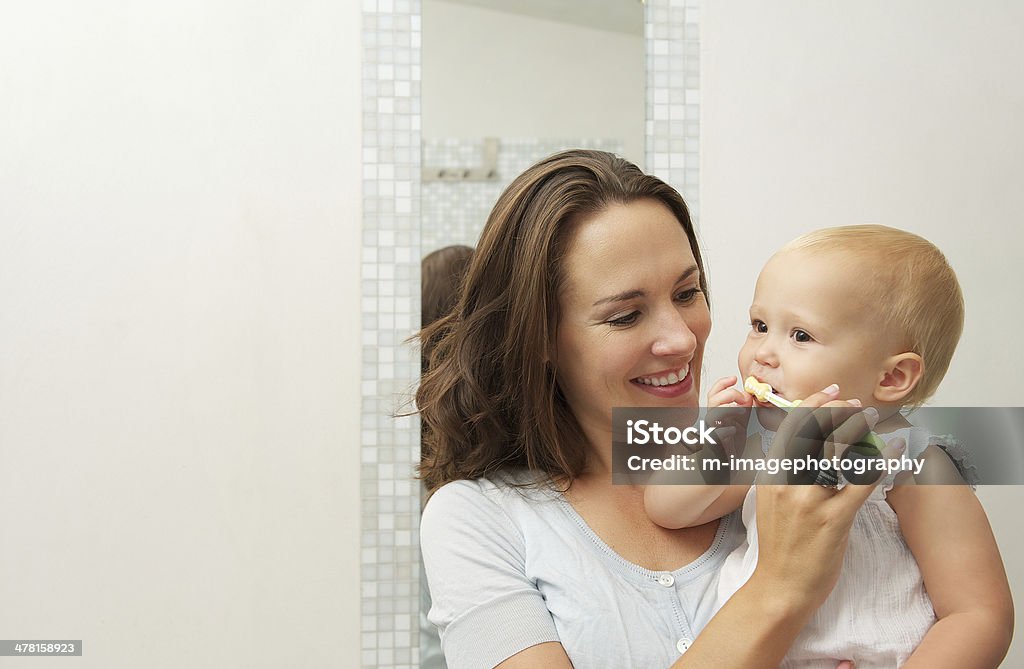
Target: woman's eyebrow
[630, 294]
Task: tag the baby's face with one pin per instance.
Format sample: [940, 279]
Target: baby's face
[812, 325]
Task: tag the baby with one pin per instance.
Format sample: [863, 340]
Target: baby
[878, 312]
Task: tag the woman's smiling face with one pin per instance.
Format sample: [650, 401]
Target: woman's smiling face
[634, 320]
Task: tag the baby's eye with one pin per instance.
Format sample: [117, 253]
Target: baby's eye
[759, 326]
[628, 319]
[802, 337]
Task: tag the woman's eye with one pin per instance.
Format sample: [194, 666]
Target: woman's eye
[802, 337]
[759, 326]
[687, 296]
[628, 319]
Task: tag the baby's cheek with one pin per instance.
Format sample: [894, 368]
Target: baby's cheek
[744, 360]
[802, 385]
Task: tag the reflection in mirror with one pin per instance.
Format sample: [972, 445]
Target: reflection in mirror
[508, 82]
[441, 273]
[504, 84]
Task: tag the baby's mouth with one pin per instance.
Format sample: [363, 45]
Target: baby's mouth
[669, 379]
[781, 393]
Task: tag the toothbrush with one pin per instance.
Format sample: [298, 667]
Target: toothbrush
[764, 393]
[871, 445]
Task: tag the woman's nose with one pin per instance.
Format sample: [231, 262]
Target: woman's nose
[674, 336]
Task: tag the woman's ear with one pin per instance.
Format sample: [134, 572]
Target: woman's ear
[551, 352]
[901, 374]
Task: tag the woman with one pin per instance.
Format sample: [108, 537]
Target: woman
[588, 291]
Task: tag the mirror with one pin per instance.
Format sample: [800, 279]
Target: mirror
[504, 84]
[508, 82]
[666, 91]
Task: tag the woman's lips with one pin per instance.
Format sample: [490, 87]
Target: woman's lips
[680, 387]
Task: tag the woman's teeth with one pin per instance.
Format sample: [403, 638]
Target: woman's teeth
[667, 380]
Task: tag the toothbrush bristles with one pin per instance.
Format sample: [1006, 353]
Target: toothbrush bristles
[764, 393]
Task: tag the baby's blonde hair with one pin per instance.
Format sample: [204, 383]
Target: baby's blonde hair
[916, 291]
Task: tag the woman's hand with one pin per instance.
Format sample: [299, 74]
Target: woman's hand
[802, 532]
[803, 529]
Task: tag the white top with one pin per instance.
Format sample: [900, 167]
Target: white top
[509, 568]
[879, 610]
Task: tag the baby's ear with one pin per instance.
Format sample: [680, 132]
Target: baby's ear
[901, 374]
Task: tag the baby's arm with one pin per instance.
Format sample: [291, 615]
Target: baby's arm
[676, 506]
[948, 532]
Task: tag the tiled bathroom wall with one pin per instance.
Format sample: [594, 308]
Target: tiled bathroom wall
[395, 203]
[389, 576]
[454, 212]
[672, 31]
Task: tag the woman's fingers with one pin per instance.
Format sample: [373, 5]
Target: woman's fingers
[894, 448]
[820, 427]
[854, 428]
[821, 397]
[852, 497]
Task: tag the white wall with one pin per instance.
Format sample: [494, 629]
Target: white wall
[905, 114]
[179, 319]
[498, 74]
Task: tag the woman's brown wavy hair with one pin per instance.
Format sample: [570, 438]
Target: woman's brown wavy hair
[489, 398]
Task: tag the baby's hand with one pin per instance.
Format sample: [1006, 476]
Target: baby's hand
[730, 413]
[724, 393]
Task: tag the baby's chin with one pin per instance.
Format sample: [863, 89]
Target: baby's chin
[770, 417]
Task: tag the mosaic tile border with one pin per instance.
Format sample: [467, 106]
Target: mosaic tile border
[391, 245]
[672, 32]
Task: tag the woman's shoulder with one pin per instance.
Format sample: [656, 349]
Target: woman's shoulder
[497, 516]
[495, 487]
[504, 496]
